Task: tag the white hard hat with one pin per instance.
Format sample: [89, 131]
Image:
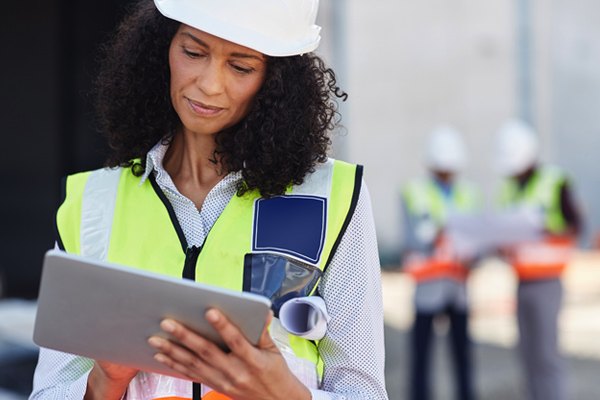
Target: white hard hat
[517, 148]
[273, 27]
[446, 150]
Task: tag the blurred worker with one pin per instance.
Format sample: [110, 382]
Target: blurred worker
[546, 191]
[439, 275]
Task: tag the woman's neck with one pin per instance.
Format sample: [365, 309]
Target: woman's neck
[191, 165]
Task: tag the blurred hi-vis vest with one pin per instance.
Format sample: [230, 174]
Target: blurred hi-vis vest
[427, 204]
[549, 257]
[112, 215]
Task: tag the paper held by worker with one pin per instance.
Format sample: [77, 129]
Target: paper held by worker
[305, 317]
[475, 234]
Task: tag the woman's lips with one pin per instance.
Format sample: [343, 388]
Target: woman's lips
[204, 109]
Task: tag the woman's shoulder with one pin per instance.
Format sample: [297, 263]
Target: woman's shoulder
[81, 177]
[97, 181]
[341, 168]
[331, 174]
[105, 173]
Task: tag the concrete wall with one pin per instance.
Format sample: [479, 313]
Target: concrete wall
[409, 66]
[413, 66]
[575, 107]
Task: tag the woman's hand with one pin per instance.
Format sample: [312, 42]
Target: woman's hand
[108, 381]
[246, 372]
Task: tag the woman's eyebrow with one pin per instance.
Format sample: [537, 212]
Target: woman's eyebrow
[235, 54]
[246, 55]
[196, 39]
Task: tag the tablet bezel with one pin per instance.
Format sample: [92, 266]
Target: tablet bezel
[106, 311]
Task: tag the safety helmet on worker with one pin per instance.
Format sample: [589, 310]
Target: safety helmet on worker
[517, 148]
[276, 28]
[446, 150]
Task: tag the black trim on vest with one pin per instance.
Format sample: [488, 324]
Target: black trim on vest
[197, 393]
[63, 197]
[189, 272]
[171, 211]
[355, 194]
[247, 284]
[191, 258]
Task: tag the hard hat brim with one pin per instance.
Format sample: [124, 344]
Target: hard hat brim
[187, 12]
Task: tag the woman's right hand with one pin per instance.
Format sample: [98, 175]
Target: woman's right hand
[108, 381]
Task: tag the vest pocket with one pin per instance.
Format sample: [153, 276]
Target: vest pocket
[278, 278]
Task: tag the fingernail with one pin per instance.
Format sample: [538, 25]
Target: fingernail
[155, 342]
[160, 358]
[167, 326]
[212, 315]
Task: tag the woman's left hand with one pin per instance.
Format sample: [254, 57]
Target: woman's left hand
[246, 372]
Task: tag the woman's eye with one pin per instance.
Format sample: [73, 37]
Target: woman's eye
[191, 54]
[241, 70]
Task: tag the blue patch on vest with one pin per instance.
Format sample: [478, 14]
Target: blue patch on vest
[292, 225]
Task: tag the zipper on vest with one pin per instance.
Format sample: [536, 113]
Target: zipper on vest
[191, 257]
[189, 272]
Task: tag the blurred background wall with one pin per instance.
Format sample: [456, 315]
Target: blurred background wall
[574, 100]
[410, 66]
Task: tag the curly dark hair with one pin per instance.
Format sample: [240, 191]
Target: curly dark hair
[282, 138]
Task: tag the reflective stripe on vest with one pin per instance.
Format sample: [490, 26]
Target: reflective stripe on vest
[140, 211]
[542, 260]
[442, 264]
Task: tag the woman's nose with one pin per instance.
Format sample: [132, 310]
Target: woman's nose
[211, 80]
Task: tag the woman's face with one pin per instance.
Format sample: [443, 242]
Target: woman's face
[213, 81]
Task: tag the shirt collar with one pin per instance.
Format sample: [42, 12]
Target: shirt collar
[154, 162]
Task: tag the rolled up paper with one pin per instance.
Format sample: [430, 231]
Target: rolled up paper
[305, 317]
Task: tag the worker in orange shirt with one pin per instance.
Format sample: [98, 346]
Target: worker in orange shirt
[546, 192]
[429, 258]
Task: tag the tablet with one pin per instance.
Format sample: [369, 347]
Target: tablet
[107, 312]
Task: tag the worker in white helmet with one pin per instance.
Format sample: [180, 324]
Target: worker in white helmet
[439, 273]
[217, 114]
[545, 191]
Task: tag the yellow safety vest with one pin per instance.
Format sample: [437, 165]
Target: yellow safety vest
[424, 197]
[139, 228]
[424, 200]
[541, 192]
[548, 257]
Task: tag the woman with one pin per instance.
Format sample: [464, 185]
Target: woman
[215, 110]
